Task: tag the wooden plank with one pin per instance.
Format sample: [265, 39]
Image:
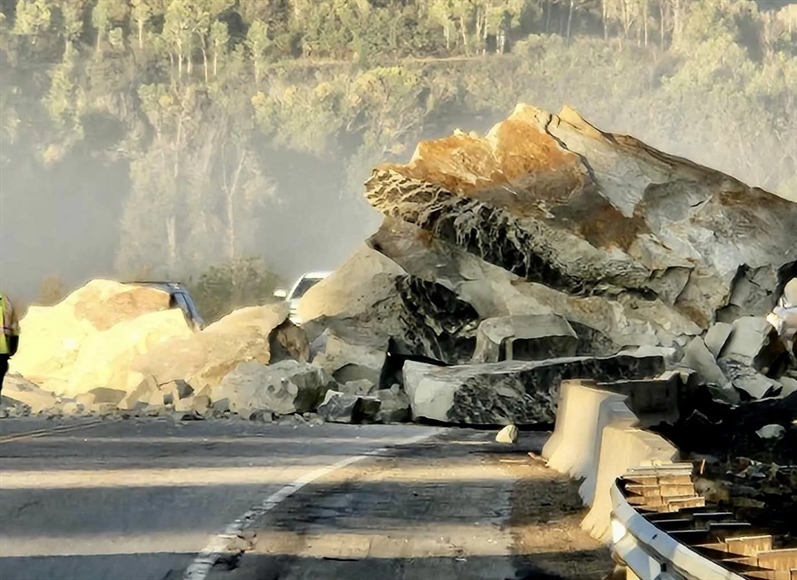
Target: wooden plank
[749, 545]
[778, 559]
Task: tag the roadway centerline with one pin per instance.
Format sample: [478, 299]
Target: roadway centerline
[44, 432]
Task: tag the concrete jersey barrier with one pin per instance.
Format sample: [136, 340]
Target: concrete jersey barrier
[577, 427]
[622, 448]
[611, 412]
[598, 438]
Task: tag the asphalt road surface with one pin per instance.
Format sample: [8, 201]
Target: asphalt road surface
[232, 500]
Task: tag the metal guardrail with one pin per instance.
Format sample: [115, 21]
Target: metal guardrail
[662, 530]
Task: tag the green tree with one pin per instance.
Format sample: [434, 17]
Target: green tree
[72, 12]
[258, 43]
[141, 13]
[32, 18]
[101, 20]
[178, 30]
[219, 43]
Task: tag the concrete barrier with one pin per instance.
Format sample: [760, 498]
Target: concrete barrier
[611, 412]
[652, 400]
[578, 428]
[558, 435]
[621, 449]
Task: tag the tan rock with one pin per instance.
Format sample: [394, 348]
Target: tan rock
[203, 359]
[105, 303]
[106, 358]
[371, 302]
[19, 389]
[507, 435]
[289, 341]
[89, 339]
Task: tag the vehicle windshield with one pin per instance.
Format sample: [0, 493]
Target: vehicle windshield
[303, 286]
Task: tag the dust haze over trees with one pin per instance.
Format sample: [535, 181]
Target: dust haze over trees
[167, 136]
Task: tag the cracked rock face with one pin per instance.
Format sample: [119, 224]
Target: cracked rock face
[556, 201]
[370, 300]
[512, 392]
[604, 324]
[530, 337]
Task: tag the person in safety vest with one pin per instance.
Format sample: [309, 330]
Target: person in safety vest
[9, 339]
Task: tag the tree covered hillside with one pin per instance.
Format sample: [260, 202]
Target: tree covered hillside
[165, 136]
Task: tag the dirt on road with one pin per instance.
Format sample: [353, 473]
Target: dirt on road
[546, 517]
[458, 506]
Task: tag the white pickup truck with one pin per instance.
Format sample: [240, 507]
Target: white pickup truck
[299, 288]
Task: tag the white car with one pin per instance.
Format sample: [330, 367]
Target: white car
[299, 288]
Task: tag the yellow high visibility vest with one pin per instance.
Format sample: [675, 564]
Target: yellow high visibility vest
[3, 341]
[9, 323]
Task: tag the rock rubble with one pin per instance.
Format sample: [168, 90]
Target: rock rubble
[544, 250]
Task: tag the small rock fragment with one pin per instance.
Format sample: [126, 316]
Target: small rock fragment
[261, 416]
[395, 405]
[73, 408]
[698, 357]
[178, 389]
[771, 432]
[200, 403]
[789, 386]
[339, 407]
[507, 435]
[754, 342]
[141, 394]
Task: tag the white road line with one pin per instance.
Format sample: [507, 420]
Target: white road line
[219, 544]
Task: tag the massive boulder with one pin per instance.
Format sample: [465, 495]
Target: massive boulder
[558, 202]
[370, 301]
[106, 358]
[204, 358]
[604, 324]
[90, 338]
[512, 392]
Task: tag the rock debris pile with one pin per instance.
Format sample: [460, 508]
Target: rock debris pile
[545, 250]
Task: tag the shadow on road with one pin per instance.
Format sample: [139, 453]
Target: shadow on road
[130, 502]
[288, 567]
